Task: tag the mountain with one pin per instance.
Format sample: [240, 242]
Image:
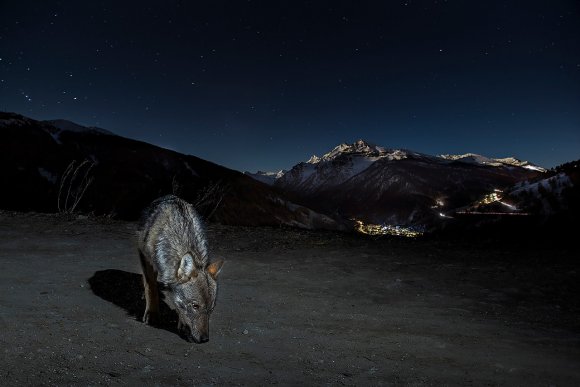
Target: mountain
[58, 165]
[555, 194]
[482, 160]
[543, 208]
[266, 177]
[379, 185]
[335, 167]
[544, 196]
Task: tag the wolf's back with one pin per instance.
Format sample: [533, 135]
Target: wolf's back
[170, 228]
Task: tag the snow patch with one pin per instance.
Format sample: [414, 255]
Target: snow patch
[191, 170]
[55, 136]
[49, 176]
[554, 184]
[534, 168]
[474, 158]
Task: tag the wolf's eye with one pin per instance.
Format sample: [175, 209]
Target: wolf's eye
[195, 306]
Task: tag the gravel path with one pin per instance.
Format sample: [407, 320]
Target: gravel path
[294, 307]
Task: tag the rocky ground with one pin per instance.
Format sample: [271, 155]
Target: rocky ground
[295, 307]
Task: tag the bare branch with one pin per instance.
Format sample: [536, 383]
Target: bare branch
[75, 181]
[210, 197]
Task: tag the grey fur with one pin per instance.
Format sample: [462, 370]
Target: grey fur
[174, 258]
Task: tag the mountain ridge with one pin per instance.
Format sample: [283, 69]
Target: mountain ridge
[377, 184]
[123, 175]
[362, 147]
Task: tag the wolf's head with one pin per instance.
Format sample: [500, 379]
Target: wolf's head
[193, 297]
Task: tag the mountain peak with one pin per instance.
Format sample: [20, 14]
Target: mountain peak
[313, 159]
[358, 147]
[360, 143]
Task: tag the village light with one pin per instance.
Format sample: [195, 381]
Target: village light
[377, 229]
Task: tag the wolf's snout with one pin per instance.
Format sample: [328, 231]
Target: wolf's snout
[202, 339]
[188, 335]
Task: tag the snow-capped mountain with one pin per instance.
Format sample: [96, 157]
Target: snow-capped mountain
[361, 155]
[335, 167]
[266, 177]
[396, 186]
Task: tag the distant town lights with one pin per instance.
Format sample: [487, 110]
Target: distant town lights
[377, 229]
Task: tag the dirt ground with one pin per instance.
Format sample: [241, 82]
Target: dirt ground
[294, 307]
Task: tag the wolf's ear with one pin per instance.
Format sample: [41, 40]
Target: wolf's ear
[186, 268]
[214, 268]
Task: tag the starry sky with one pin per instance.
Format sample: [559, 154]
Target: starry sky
[264, 84]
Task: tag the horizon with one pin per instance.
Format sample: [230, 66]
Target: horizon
[259, 86]
[371, 143]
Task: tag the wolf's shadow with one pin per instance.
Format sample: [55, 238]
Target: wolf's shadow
[125, 290]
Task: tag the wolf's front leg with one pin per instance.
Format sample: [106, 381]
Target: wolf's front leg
[151, 315]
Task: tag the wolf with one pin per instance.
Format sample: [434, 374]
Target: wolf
[174, 258]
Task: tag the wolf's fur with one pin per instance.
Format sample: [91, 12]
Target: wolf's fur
[174, 258]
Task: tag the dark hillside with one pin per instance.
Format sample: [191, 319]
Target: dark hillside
[126, 175]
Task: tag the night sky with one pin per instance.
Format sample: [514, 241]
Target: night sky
[262, 85]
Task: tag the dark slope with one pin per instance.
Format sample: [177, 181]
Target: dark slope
[127, 175]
